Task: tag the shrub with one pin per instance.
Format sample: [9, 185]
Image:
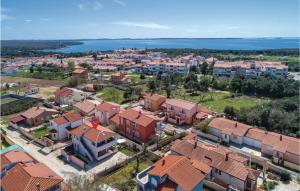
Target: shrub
[285, 176]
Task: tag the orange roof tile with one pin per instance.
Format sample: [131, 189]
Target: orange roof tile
[27, 176]
[176, 168]
[107, 106]
[229, 126]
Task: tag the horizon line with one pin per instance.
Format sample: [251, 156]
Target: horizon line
[149, 38]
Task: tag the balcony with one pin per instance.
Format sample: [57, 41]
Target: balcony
[106, 145]
[143, 178]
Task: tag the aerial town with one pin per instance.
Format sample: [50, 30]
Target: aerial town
[136, 119]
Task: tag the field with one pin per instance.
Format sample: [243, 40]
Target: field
[218, 100]
[8, 100]
[41, 132]
[38, 82]
[111, 94]
[136, 78]
[42, 75]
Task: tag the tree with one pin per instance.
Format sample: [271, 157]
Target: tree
[31, 69]
[94, 56]
[7, 86]
[203, 68]
[194, 69]
[73, 82]
[82, 182]
[168, 92]
[71, 66]
[142, 76]
[229, 112]
[151, 85]
[39, 69]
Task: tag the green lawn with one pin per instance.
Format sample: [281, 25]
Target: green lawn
[217, 100]
[112, 94]
[125, 173]
[136, 78]
[41, 132]
[43, 75]
[129, 151]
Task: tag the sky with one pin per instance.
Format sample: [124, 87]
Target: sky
[89, 19]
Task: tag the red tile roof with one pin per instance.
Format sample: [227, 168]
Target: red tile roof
[94, 135]
[72, 116]
[107, 106]
[17, 119]
[229, 126]
[177, 168]
[87, 106]
[60, 120]
[136, 116]
[14, 156]
[27, 176]
[214, 157]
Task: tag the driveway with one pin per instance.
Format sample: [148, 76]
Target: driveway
[65, 170]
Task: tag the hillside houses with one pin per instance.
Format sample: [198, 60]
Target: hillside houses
[282, 149]
[227, 168]
[252, 69]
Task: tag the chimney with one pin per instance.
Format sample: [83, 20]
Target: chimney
[280, 138]
[163, 162]
[236, 124]
[226, 157]
[38, 187]
[196, 142]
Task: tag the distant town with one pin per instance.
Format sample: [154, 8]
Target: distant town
[138, 119]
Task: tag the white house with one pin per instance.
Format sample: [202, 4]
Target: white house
[69, 96]
[59, 125]
[105, 111]
[93, 143]
[228, 130]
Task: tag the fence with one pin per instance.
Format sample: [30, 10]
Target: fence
[165, 142]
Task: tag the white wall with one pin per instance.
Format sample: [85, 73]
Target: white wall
[252, 142]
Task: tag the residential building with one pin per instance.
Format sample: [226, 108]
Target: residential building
[180, 111]
[93, 143]
[171, 173]
[105, 111]
[153, 102]
[19, 172]
[281, 149]
[34, 116]
[80, 74]
[119, 78]
[86, 107]
[228, 130]
[166, 67]
[135, 125]
[59, 126]
[249, 68]
[69, 96]
[228, 169]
